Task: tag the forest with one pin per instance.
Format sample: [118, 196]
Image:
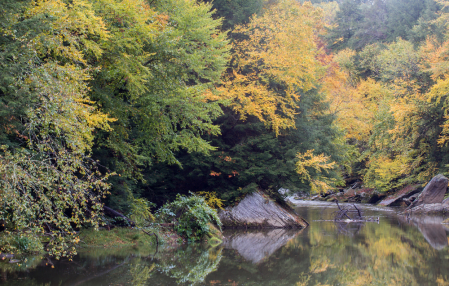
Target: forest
[132, 104]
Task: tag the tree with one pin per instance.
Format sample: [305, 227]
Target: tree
[81, 63]
[277, 58]
[158, 81]
[49, 184]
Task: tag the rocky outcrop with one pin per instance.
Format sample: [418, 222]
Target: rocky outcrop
[258, 211]
[255, 246]
[428, 209]
[401, 198]
[433, 193]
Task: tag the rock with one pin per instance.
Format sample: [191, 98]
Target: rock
[283, 192]
[256, 246]
[258, 211]
[400, 195]
[428, 209]
[433, 193]
[315, 198]
[445, 201]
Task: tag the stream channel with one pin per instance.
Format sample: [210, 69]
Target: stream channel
[394, 251]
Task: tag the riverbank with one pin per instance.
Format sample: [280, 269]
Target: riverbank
[127, 236]
[129, 240]
[433, 198]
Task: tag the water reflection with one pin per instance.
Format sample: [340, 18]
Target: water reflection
[255, 246]
[397, 251]
[349, 229]
[432, 229]
[393, 252]
[188, 265]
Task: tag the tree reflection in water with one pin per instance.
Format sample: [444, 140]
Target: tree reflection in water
[397, 251]
[393, 252]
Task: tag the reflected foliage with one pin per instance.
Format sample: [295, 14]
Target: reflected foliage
[396, 251]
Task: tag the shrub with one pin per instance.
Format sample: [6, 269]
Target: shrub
[191, 216]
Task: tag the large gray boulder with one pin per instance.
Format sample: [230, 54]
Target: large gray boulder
[258, 211]
[433, 193]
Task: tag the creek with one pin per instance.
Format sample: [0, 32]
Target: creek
[394, 251]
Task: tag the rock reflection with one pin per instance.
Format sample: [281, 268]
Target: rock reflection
[432, 230]
[254, 246]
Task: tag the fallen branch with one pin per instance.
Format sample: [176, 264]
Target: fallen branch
[112, 213]
[157, 240]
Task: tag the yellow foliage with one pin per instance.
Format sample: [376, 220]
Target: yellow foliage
[276, 61]
[75, 23]
[319, 163]
[441, 282]
[363, 278]
[355, 107]
[320, 265]
[438, 94]
[383, 170]
[435, 58]
[211, 199]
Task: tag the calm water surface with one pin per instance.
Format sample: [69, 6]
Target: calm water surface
[395, 251]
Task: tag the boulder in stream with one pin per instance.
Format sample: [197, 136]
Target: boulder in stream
[256, 210]
[400, 196]
[433, 193]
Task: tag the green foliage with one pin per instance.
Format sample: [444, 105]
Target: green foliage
[191, 216]
[70, 63]
[398, 61]
[141, 212]
[49, 184]
[250, 157]
[156, 82]
[119, 237]
[25, 242]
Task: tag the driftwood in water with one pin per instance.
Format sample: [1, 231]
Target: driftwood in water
[351, 213]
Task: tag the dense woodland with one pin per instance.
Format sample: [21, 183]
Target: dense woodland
[128, 103]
